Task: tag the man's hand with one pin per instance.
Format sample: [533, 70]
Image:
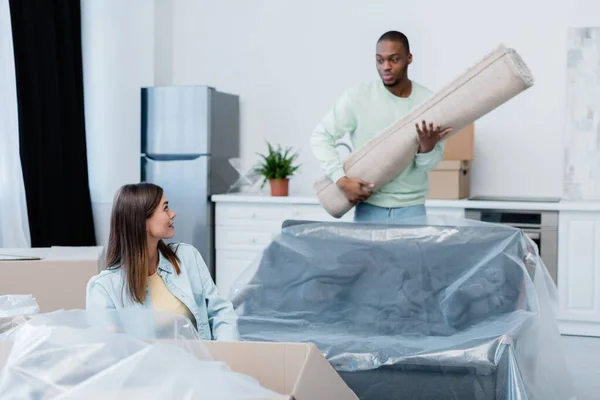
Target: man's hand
[356, 190]
[429, 137]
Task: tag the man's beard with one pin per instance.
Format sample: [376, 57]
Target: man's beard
[390, 84]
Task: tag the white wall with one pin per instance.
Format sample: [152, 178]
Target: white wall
[120, 55]
[163, 42]
[290, 60]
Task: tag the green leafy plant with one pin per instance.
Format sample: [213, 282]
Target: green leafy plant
[277, 164]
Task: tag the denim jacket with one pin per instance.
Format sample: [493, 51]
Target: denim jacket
[215, 316]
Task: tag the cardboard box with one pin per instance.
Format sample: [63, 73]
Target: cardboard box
[451, 180]
[296, 370]
[57, 281]
[460, 146]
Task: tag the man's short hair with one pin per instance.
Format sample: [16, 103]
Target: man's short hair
[395, 36]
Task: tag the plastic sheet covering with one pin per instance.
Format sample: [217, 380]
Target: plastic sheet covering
[432, 308]
[89, 355]
[15, 310]
[140, 323]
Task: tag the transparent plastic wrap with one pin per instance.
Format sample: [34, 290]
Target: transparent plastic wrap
[88, 355]
[16, 310]
[144, 324]
[430, 308]
[248, 176]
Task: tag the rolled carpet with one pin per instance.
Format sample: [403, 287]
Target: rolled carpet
[500, 76]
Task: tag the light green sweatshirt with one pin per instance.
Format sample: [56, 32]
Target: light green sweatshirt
[364, 112]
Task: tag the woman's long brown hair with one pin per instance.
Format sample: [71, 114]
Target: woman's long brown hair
[127, 241]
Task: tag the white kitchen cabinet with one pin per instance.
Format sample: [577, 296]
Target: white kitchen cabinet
[244, 229]
[579, 272]
[231, 265]
[264, 215]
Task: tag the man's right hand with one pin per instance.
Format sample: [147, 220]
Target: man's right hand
[356, 190]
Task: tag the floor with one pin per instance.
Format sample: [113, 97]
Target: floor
[583, 358]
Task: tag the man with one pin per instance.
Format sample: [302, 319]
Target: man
[365, 111]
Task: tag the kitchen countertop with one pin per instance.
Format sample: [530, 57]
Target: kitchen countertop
[478, 204]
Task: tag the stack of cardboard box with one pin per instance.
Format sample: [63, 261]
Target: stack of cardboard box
[451, 179]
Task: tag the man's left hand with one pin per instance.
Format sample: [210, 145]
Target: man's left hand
[430, 136]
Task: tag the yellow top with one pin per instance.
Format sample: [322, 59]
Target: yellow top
[163, 300]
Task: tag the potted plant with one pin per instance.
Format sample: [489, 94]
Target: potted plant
[276, 167]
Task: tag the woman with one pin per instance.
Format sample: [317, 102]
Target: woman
[144, 272]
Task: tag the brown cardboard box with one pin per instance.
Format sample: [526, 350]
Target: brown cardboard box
[296, 370]
[57, 280]
[451, 180]
[460, 146]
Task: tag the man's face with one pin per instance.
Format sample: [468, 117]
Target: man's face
[392, 62]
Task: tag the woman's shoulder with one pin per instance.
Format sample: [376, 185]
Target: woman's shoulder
[185, 250]
[188, 255]
[106, 277]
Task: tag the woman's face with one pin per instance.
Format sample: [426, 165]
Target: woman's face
[160, 224]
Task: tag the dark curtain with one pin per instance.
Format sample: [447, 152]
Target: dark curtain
[48, 64]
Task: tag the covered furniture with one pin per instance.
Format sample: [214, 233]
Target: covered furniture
[429, 309]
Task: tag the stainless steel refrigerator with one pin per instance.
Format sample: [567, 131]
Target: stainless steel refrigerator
[189, 133]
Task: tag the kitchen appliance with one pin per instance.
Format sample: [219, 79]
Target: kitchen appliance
[541, 226]
[189, 133]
